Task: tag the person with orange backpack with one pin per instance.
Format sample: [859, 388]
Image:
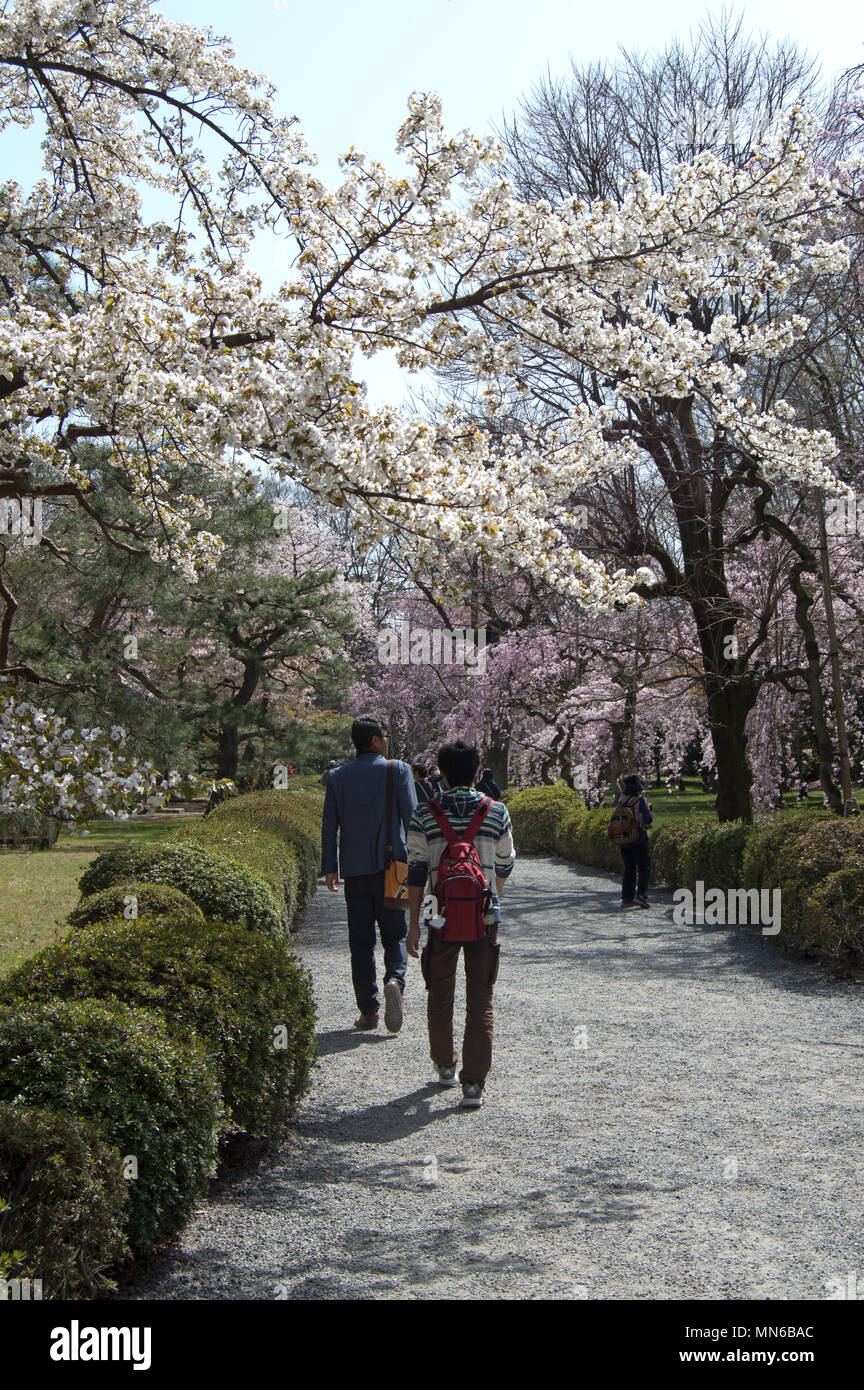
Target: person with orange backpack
[628, 829]
[464, 847]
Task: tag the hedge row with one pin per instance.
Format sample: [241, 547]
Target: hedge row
[817, 861]
[173, 1016]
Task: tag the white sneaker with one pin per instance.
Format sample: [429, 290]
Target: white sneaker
[447, 1075]
[472, 1096]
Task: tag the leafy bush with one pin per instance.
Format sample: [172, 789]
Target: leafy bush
[713, 853]
[63, 1201]
[223, 889]
[271, 856]
[591, 843]
[830, 923]
[293, 815]
[831, 849]
[153, 900]
[154, 1099]
[229, 986]
[536, 814]
[667, 846]
[761, 865]
[568, 829]
[20, 828]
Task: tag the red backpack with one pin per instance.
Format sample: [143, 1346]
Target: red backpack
[624, 827]
[461, 888]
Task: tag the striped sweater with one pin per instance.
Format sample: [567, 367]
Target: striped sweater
[494, 839]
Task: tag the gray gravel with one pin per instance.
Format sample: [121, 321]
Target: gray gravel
[704, 1142]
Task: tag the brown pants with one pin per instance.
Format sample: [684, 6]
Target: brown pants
[438, 963]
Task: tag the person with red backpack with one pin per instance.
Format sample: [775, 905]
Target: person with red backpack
[628, 829]
[464, 846]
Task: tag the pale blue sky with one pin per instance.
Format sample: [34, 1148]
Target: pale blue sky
[346, 69]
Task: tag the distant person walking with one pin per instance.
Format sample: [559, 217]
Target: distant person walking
[487, 785]
[422, 785]
[464, 847]
[629, 830]
[354, 809]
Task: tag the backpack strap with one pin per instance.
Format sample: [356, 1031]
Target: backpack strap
[443, 823]
[471, 828]
[477, 819]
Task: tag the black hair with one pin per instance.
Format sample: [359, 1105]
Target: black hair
[363, 730]
[459, 763]
[419, 771]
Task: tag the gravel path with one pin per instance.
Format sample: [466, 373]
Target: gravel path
[673, 1112]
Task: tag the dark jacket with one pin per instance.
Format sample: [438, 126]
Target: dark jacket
[354, 802]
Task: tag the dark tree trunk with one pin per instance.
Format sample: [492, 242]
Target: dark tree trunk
[498, 756]
[229, 752]
[729, 703]
[824, 746]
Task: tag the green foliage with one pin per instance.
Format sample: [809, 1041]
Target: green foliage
[667, 846]
[28, 828]
[819, 872]
[713, 853]
[761, 864]
[536, 814]
[63, 1201]
[271, 856]
[830, 922]
[567, 832]
[295, 815]
[154, 1099]
[223, 889]
[591, 843]
[229, 986]
[153, 900]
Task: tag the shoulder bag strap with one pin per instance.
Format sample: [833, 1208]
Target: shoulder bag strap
[388, 812]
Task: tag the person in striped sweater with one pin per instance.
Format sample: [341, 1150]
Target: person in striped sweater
[459, 763]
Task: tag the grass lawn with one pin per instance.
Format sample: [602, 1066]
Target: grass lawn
[39, 888]
[670, 807]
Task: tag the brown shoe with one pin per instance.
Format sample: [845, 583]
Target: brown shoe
[366, 1021]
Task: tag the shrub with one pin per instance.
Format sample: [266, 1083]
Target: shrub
[536, 814]
[830, 923]
[20, 828]
[153, 900]
[271, 856]
[568, 828]
[154, 1099]
[761, 865]
[63, 1201]
[713, 853]
[230, 986]
[830, 849]
[591, 842]
[222, 888]
[294, 815]
[667, 846]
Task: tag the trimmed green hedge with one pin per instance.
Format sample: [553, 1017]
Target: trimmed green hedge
[152, 900]
[22, 828]
[63, 1201]
[156, 1100]
[224, 889]
[293, 815]
[536, 814]
[271, 856]
[230, 987]
[591, 843]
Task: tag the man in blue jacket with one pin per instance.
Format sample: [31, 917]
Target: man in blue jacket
[354, 807]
